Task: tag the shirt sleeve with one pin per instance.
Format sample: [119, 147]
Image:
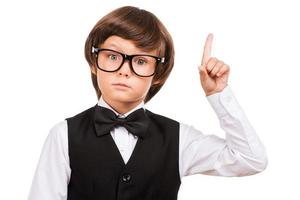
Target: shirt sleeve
[241, 153]
[52, 174]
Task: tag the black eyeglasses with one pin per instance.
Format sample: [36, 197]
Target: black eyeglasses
[142, 65]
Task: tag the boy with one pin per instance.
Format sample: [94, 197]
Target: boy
[117, 149]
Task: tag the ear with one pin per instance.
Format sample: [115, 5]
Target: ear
[93, 69]
[155, 82]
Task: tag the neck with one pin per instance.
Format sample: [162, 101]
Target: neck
[122, 107]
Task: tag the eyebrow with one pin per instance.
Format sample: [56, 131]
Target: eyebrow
[118, 49]
[113, 45]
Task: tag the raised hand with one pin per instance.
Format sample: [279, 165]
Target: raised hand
[213, 72]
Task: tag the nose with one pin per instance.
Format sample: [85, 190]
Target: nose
[125, 68]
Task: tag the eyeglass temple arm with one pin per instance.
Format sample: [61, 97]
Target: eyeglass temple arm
[95, 49]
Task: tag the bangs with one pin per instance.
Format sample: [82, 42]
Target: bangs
[140, 26]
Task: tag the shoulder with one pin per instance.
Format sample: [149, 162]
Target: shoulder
[58, 135]
[158, 116]
[58, 128]
[160, 119]
[84, 117]
[185, 129]
[84, 113]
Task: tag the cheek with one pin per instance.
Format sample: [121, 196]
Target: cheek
[102, 79]
[143, 86]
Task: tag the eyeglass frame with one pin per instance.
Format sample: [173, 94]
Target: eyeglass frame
[96, 50]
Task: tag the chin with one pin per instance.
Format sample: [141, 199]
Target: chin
[127, 99]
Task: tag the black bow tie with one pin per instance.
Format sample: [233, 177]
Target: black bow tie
[136, 122]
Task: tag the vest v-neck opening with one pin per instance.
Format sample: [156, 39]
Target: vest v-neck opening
[117, 151]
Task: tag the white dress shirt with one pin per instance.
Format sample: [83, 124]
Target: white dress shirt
[241, 153]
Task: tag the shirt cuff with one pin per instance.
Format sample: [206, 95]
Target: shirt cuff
[224, 103]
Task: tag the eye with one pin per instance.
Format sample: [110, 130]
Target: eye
[141, 61]
[113, 57]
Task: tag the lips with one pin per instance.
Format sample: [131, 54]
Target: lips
[121, 84]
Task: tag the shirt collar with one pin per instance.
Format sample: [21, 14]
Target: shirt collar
[102, 103]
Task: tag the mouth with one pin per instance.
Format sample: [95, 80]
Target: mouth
[121, 85]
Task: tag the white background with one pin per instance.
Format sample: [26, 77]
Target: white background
[44, 79]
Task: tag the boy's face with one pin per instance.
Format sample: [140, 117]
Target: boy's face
[137, 87]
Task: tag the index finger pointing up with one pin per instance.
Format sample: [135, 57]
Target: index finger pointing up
[207, 48]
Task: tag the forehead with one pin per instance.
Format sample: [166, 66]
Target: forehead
[125, 46]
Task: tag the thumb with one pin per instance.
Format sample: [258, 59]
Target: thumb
[203, 71]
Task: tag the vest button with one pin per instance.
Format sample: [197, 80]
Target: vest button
[126, 177]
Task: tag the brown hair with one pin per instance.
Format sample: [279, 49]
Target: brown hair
[144, 29]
